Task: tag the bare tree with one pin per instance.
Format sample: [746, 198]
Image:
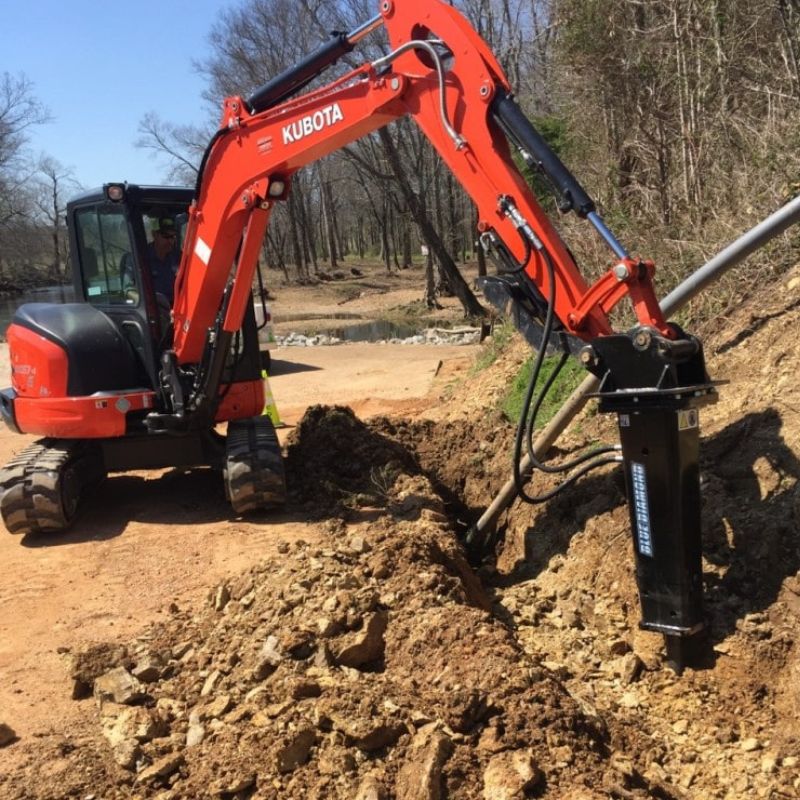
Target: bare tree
[182, 145]
[54, 181]
[19, 112]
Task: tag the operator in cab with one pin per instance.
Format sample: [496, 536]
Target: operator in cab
[163, 256]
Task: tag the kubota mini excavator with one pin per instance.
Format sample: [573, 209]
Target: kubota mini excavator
[121, 381]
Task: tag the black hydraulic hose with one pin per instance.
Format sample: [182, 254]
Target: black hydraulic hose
[262, 296]
[202, 168]
[595, 458]
[520, 267]
[531, 425]
[296, 77]
[567, 465]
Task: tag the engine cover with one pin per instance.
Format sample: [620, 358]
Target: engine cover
[69, 350]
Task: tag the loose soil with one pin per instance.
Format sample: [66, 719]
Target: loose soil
[345, 648]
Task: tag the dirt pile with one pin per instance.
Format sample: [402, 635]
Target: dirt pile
[369, 667]
[335, 461]
[564, 573]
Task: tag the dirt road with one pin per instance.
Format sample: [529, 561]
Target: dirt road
[150, 539]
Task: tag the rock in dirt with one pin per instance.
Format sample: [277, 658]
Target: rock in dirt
[631, 667]
[750, 745]
[221, 597]
[367, 645]
[510, 775]
[126, 753]
[126, 728]
[369, 733]
[295, 751]
[210, 683]
[86, 666]
[132, 722]
[421, 776]
[195, 734]
[270, 655]
[160, 769]
[233, 784]
[217, 707]
[118, 686]
[148, 669]
[370, 789]
[7, 734]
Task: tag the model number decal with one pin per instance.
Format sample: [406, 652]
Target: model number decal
[323, 118]
[641, 509]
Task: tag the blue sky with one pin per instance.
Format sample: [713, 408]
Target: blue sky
[99, 67]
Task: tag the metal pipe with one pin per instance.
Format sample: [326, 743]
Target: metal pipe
[476, 535]
[428, 46]
[734, 253]
[748, 243]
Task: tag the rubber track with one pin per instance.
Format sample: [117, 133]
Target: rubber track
[254, 473]
[31, 486]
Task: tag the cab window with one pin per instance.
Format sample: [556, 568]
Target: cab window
[105, 256]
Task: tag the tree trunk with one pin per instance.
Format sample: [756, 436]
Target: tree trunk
[296, 249]
[309, 245]
[480, 254]
[467, 299]
[384, 224]
[430, 283]
[327, 215]
[406, 244]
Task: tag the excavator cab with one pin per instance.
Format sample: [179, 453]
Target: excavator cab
[89, 375]
[112, 234]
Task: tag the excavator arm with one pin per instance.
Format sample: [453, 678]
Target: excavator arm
[443, 76]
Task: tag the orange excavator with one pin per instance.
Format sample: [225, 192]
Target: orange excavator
[130, 378]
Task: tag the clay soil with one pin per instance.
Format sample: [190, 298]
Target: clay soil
[344, 648]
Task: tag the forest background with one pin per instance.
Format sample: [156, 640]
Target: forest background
[679, 116]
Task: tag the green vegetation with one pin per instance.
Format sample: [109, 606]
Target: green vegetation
[571, 375]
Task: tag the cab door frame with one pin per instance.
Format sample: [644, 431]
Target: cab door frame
[137, 321]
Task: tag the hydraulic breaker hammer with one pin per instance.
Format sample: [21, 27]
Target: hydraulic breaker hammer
[656, 386]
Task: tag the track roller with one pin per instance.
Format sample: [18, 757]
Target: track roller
[253, 473]
[42, 486]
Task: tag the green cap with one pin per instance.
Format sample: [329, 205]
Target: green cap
[163, 225]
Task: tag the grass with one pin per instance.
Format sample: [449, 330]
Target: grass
[571, 375]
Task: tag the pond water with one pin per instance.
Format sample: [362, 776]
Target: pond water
[374, 331]
[47, 294]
